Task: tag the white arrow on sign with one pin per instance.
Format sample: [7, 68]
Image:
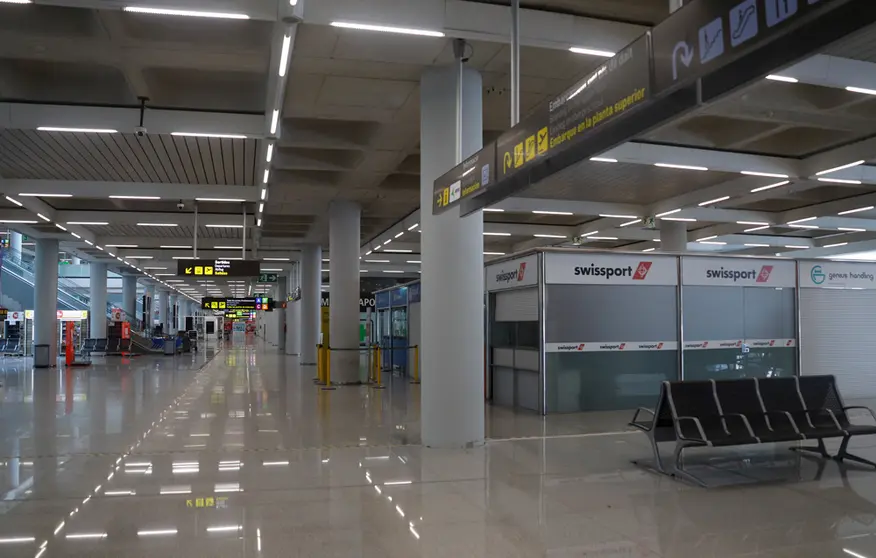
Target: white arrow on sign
[686, 57]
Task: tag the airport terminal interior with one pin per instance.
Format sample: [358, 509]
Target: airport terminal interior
[438, 278]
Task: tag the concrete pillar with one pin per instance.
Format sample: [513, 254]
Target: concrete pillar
[293, 315]
[279, 314]
[452, 394]
[149, 309]
[97, 306]
[162, 310]
[129, 296]
[45, 307]
[344, 239]
[172, 313]
[15, 241]
[673, 236]
[182, 312]
[311, 279]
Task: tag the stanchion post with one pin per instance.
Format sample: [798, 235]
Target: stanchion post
[416, 379]
[328, 369]
[318, 379]
[379, 371]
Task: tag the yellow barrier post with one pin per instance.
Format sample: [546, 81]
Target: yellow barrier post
[318, 379]
[378, 385]
[416, 379]
[328, 369]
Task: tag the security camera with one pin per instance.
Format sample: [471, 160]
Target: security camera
[180, 205]
[140, 131]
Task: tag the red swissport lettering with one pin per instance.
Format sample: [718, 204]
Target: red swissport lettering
[764, 275]
[642, 271]
[521, 272]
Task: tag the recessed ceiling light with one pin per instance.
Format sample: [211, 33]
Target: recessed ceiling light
[175, 247]
[376, 261]
[540, 212]
[208, 135]
[716, 200]
[802, 220]
[757, 245]
[275, 118]
[841, 167]
[497, 234]
[387, 29]
[399, 251]
[602, 237]
[493, 210]
[786, 79]
[79, 130]
[835, 245]
[88, 223]
[628, 223]
[861, 90]
[839, 180]
[122, 245]
[771, 186]
[184, 13]
[549, 236]
[592, 52]
[35, 195]
[158, 225]
[494, 253]
[135, 198]
[230, 200]
[858, 210]
[15, 201]
[850, 229]
[44, 218]
[665, 213]
[715, 242]
[682, 167]
[767, 174]
[603, 159]
[685, 219]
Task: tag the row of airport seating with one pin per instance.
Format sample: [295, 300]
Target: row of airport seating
[111, 346]
[11, 346]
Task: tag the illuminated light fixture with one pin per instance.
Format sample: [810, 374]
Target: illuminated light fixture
[835, 245]
[468, 172]
[137, 257]
[602, 237]
[14, 540]
[685, 219]
[86, 535]
[368, 253]
[399, 251]
[770, 186]
[274, 463]
[207, 135]
[228, 247]
[122, 245]
[18, 222]
[173, 247]
[550, 236]
[275, 118]
[158, 225]
[16, 1]
[590, 233]
[229, 200]
[99, 248]
[858, 210]
[88, 223]
[757, 228]
[15, 201]
[839, 180]
[797, 247]
[410, 262]
[35, 195]
[603, 160]
[494, 253]
[387, 29]
[803, 226]
[157, 533]
[61, 227]
[716, 200]
[841, 167]
[392, 271]
[766, 174]
[497, 234]
[270, 154]
[223, 528]
[715, 242]
[802, 220]
[76, 235]
[850, 229]
[611, 216]
[78, 130]
[267, 175]
[757, 223]
[757, 245]
[184, 13]
[665, 213]
[387, 242]
[786, 79]
[264, 193]
[414, 226]
[539, 212]
[628, 223]
[398, 235]
[493, 210]
[649, 249]
[861, 90]
[261, 207]
[135, 198]
[276, 259]
[707, 238]
[681, 167]
[259, 222]
[223, 227]
[592, 52]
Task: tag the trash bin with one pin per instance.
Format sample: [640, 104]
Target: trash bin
[169, 346]
[41, 356]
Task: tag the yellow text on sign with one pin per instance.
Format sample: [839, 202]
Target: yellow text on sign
[518, 155]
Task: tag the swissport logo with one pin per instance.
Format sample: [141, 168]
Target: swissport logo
[764, 275]
[741, 274]
[513, 275]
[638, 274]
[642, 271]
[521, 271]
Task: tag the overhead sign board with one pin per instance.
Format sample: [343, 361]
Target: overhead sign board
[511, 274]
[837, 275]
[737, 272]
[706, 35]
[268, 277]
[218, 268]
[609, 91]
[243, 304]
[466, 180]
[608, 269]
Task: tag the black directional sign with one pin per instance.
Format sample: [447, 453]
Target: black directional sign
[466, 180]
[707, 34]
[218, 268]
[243, 304]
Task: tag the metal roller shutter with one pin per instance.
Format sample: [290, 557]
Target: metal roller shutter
[838, 336]
[517, 306]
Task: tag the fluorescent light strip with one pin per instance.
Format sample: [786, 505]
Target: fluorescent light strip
[540, 212]
[802, 220]
[838, 244]
[174, 247]
[78, 130]
[229, 200]
[274, 463]
[266, 176]
[863, 90]
[858, 210]
[207, 135]
[494, 253]
[757, 228]
[35, 195]
[767, 174]
[592, 52]
[414, 226]
[398, 251]
[839, 180]
[15, 201]
[786, 79]
[88, 223]
[270, 154]
[184, 13]
[649, 249]
[757, 223]
[716, 200]
[707, 238]
[61, 227]
[841, 167]
[493, 210]
[223, 528]
[770, 186]
[602, 238]
[387, 29]
[261, 207]
[802, 226]
[398, 235]
[603, 160]
[550, 236]
[628, 223]
[86, 535]
[717, 243]
[275, 117]
[15, 540]
[497, 234]
[284, 55]
[757, 245]
[665, 213]
[611, 216]
[685, 219]
[122, 245]
[276, 259]
[392, 271]
[135, 198]
[157, 225]
[157, 533]
[681, 167]
[797, 247]
[849, 229]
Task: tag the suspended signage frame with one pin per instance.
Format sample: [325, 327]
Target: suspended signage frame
[218, 268]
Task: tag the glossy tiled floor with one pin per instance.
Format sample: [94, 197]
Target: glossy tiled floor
[240, 456]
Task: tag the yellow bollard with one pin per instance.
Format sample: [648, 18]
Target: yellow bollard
[318, 379]
[416, 379]
[379, 372]
[328, 369]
